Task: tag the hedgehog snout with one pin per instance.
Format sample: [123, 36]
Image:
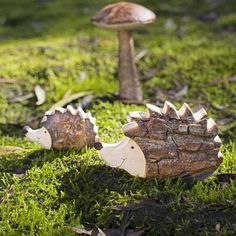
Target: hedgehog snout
[26, 129]
[98, 145]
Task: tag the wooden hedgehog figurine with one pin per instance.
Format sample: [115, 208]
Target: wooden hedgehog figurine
[64, 129]
[166, 143]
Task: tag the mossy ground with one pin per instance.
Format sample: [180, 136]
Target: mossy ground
[53, 44]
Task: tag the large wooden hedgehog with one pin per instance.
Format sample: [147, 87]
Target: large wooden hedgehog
[166, 143]
[64, 129]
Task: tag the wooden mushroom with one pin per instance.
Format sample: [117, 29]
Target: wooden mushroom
[166, 143]
[124, 17]
[64, 129]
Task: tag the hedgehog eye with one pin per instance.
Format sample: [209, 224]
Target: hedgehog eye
[132, 147]
[45, 132]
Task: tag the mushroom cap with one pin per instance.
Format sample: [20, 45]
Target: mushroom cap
[123, 15]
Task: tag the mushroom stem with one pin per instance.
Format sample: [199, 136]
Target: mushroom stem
[130, 89]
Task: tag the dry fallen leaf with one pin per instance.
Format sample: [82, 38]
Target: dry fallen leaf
[217, 227]
[216, 207]
[136, 233]
[82, 75]
[149, 74]
[182, 92]
[140, 55]
[208, 17]
[40, 94]
[68, 97]
[100, 232]
[92, 232]
[219, 106]
[8, 195]
[170, 25]
[222, 81]
[81, 230]
[225, 179]
[86, 101]
[8, 81]
[108, 232]
[22, 98]
[129, 232]
[225, 120]
[175, 94]
[7, 150]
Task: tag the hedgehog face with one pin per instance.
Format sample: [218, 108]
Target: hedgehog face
[126, 155]
[40, 136]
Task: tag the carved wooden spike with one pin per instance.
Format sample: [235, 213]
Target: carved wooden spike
[60, 109]
[144, 115]
[46, 114]
[136, 116]
[211, 124]
[211, 128]
[92, 120]
[154, 111]
[130, 129]
[217, 139]
[71, 110]
[185, 112]
[171, 146]
[82, 113]
[220, 155]
[49, 113]
[198, 116]
[170, 110]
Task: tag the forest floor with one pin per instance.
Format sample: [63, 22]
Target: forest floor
[188, 55]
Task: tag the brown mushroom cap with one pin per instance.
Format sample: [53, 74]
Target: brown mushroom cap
[123, 15]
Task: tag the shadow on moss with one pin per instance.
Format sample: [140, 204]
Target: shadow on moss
[111, 199]
[19, 164]
[13, 130]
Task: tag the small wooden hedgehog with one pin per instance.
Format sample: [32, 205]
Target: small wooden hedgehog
[166, 143]
[64, 129]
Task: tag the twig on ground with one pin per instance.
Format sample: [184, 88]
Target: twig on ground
[8, 81]
[222, 81]
[68, 97]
